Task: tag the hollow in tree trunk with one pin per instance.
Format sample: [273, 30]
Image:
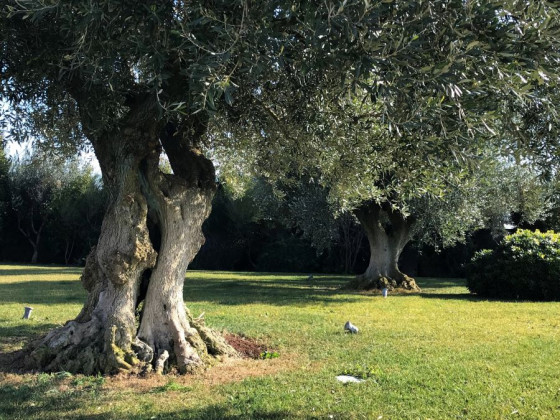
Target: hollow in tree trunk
[388, 231]
[134, 318]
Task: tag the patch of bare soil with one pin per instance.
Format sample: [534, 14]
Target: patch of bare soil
[247, 347]
[229, 370]
[226, 371]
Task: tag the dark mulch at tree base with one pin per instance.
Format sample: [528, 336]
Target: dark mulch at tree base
[247, 347]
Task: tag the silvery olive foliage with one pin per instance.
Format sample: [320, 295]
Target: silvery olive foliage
[443, 68]
[447, 185]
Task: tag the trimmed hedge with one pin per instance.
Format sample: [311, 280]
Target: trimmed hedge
[526, 265]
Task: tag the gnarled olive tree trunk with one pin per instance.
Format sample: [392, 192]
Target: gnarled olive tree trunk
[181, 203]
[134, 317]
[388, 231]
[100, 339]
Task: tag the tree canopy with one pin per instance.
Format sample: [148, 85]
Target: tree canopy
[445, 67]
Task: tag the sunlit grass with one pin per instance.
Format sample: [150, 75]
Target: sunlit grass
[439, 354]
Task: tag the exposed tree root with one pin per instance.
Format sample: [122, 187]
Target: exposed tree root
[401, 281]
[83, 348]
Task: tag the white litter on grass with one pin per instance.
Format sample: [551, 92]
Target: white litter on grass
[346, 379]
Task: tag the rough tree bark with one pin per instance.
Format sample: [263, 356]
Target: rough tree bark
[181, 203]
[388, 231]
[134, 318]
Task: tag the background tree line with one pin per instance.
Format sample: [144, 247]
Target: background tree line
[52, 208]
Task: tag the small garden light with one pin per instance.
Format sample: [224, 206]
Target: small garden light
[351, 328]
[27, 312]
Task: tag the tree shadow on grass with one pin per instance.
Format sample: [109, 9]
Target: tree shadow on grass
[274, 292]
[452, 296]
[238, 291]
[15, 337]
[432, 286]
[439, 283]
[11, 362]
[474, 298]
[30, 270]
[284, 289]
[31, 402]
[42, 292]
[45, 397]
[59, 395]
[25, 330]
[223, 412]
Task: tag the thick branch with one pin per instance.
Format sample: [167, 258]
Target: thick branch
[181, 143]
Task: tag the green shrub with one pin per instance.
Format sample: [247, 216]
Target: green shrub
[526, 265]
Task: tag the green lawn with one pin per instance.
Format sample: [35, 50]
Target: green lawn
[441, 354]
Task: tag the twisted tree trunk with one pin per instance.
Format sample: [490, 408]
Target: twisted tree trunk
[388, 231]
[134, 317]
[181, 203]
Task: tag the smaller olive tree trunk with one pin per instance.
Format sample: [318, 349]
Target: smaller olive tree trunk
[388, 231]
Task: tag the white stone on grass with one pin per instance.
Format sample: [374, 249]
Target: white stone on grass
[351, 328]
